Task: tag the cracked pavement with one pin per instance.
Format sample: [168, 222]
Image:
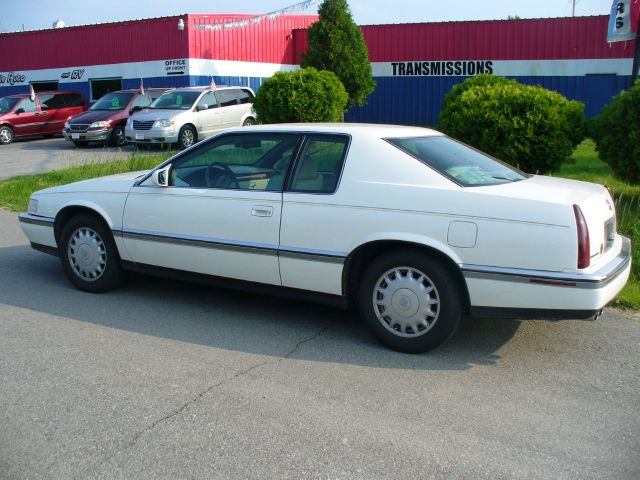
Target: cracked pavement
[161, 379]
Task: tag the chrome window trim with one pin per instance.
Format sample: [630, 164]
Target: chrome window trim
[594, 280]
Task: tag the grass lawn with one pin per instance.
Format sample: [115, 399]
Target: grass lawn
[15, 192]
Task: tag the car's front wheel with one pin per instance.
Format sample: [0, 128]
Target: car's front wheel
[117, 138]
[89, 255]
[410, 301]
[6, 135]
[248, 122]
[186, 137]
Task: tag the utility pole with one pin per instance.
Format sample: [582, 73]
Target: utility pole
[573, 9]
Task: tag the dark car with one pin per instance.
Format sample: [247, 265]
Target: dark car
[21, 117]
[104, 122]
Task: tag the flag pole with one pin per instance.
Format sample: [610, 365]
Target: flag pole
[636, 57]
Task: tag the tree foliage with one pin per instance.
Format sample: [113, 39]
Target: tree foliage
[336, 44]
[305, 95]
[529, 127]
[616, 132]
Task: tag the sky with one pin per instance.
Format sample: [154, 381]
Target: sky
[35, 14]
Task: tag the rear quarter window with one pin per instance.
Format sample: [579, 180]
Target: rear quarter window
[461, 163]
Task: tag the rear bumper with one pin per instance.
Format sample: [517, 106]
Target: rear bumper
[544, 291]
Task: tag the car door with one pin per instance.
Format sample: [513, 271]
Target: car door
[26, 118]
[220, 213]
[230, 110]
[313, 228]
[50, 104]
[207, 115]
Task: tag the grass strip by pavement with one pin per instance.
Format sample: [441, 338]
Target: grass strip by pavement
[15, 191]
[587, 166]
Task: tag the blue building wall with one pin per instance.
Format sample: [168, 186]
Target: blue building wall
[418, 100]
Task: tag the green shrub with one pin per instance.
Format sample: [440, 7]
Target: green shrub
[616, 132]
[305, 95]
[529, 127]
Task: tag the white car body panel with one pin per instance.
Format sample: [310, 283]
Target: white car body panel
[507, 240]
[222, 216]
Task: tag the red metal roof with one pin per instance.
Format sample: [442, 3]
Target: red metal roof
[270, 41]
[151, 39]
[525, 39]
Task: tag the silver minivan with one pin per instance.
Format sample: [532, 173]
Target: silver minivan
[187, 115]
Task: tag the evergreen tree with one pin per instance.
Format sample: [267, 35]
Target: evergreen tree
[336, 44]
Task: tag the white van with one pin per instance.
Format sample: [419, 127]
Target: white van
[185, 116]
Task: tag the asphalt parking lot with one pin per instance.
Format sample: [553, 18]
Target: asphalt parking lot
[38, 155]
[167, 380]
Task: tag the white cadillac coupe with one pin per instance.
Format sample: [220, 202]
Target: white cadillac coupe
[412, 227]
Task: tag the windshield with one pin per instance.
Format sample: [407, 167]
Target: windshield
[113, 101]
[176, 100]
[463, 164]
[7, 103]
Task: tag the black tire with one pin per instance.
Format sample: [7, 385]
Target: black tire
[187, 137]
[6, 135]
[79, 263]
[390, 326]
[248, 122]
[117, 138]
[80, 144]
[49, 135]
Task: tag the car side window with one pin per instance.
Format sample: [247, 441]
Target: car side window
[241, 162]
[52, 102]
[245, 96]
[227, 97]
[208, 99]
[28, 105]
[319, 165]
[73, 100]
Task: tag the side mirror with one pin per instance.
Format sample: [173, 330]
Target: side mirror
[204, 106]
[161, 177]
[135, 109]
[19, 111]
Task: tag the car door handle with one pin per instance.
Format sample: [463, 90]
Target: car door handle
[261, 211]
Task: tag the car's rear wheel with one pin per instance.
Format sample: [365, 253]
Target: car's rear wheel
[89, 254]
[6, 135]
[117, 138]
[248, 122]
[186, 137]
[410, 301]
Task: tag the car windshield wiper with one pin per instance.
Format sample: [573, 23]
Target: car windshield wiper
[503, 178]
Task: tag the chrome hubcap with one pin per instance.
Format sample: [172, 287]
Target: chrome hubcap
[406, 302]
[187, 138]
[120, 137]
[87, 254]
[5, 135]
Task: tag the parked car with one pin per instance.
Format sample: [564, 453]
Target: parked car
[412, 227]
[104, 122]
[187, 115]
[21, 117]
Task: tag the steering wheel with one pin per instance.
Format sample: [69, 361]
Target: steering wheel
[216, 171]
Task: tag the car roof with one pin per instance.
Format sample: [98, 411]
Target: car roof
[372, 129]
[137, 90]
[45, 92]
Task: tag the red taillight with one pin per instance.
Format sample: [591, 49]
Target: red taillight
[584, 250]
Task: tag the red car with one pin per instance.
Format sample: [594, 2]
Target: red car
[104, 122]
[21, 117]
